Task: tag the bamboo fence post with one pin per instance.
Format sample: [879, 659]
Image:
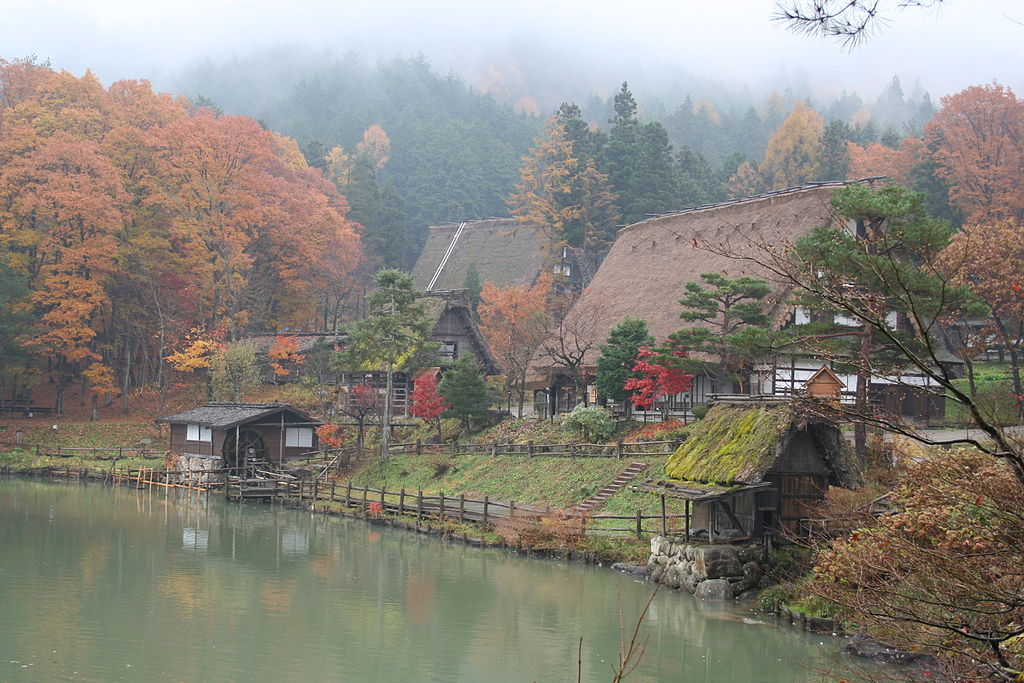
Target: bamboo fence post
[639, 523]
[348, 494]
[686, 517]
[58, 451]
[529, 449]
[462, 507]
[442, 505]
[512, 509]
[419, 506]
[401, 501]
[487, 502]
[419, 446]
[382, 499]
[366, 490]
[494, 448]
[618, 449]
[570, 449]
[333, 483]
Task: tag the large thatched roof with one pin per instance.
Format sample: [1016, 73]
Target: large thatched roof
[650, 263]
[505, 252]
[739, 443]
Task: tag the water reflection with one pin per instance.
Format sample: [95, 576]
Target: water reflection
[189, 588]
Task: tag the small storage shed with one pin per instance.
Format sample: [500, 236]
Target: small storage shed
[237, 433]
[752, 468]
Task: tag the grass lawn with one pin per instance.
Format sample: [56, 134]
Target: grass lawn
[76, 434]
[559, 482]
[995, 395]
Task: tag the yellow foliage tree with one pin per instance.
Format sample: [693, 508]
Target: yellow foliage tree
[793, 156]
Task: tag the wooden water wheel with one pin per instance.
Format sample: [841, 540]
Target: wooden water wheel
[250, 447]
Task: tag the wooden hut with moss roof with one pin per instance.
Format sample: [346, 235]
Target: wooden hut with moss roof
[751, 468]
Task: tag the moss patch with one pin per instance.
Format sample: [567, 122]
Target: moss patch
[733, 444]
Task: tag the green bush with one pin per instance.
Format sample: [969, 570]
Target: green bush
[592, 423]
[700, 411]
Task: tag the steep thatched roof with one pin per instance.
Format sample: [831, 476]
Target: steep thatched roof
[453, 307]
[738, 443]
[505, 252]
[305, 341]
[650, 263]
[224, 415]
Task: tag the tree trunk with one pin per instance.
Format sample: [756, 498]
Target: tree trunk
[127, 376]
[860, 430]
[58, 405]
[385, 422]
[95, 409]
[1011, 348]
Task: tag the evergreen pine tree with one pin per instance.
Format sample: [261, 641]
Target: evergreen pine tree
[835, 157]
[618, 356]
[469, 396]
[473, 287]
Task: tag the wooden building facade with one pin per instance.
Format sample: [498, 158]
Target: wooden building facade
[240, 433]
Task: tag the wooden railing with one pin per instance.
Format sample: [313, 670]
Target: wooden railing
[619, 449]
[93, 452]
[464, 509]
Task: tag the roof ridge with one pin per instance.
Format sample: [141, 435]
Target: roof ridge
[751, 198]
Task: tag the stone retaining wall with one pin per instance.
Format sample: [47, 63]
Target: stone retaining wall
[710, 572]
[198, 466]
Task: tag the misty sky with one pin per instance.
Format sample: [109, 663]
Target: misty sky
[965, 42]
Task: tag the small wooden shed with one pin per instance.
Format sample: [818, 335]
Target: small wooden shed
[752, 468]
[825, 384]
[238, 433]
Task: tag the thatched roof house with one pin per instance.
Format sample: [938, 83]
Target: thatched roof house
[651, 261]
[505, 252]
[754, 466]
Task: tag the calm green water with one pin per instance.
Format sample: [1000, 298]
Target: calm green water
[101, 585]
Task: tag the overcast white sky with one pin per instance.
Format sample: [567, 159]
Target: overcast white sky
[965, 42]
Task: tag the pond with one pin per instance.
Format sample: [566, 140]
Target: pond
[101, 584]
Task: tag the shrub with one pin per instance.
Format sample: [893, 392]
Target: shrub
[556, 530]
[700, 411]
[440, 465]
[592, 423]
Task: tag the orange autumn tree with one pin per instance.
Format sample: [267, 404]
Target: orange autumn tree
[514, 321]
[990, 260]
[895, 164]
[978, 138]
[284, 354]
[134, 217]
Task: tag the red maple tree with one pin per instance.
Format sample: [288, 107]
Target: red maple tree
[659, 377]
[426, 402]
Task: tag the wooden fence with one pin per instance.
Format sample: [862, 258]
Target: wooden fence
[93, 452]
[619, 449]
[453, 508]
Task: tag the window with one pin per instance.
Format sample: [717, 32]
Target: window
[298, 437]
[198, 433]
[449, 349]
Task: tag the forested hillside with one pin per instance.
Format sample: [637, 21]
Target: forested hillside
[131, 221]
[454, 153]
[445, 151]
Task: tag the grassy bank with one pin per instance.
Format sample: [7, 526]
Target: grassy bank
[558, 482]
[76, 434]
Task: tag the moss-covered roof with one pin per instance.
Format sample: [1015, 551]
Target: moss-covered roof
[733, 444]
